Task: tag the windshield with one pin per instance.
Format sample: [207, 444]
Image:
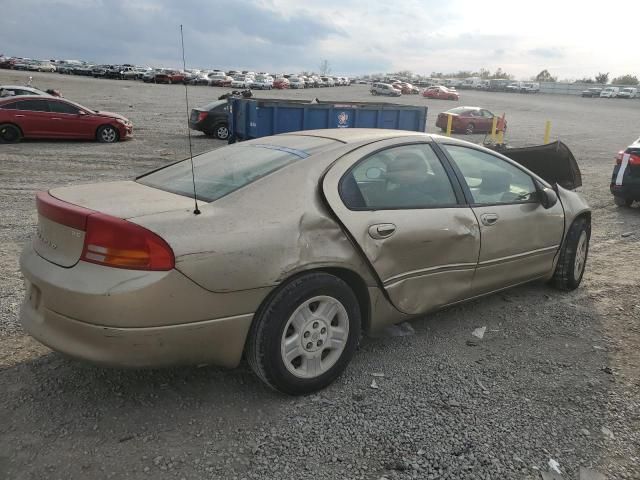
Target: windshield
[227, 169]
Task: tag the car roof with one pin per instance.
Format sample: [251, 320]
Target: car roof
[356, 135]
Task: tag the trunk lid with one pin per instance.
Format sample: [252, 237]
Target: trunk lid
[63, 214]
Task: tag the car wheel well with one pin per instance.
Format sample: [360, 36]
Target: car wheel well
[14, 125]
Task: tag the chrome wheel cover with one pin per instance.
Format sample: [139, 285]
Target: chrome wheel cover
[314, 337]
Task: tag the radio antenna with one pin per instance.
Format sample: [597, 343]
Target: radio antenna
[196, 211]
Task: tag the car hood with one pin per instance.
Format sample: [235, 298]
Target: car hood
[110, 115]
[553, 162]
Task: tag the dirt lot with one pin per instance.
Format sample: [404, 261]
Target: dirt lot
[556, 376]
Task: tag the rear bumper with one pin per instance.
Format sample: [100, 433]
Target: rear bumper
[629, 189]
[209, 342]
[130, 318]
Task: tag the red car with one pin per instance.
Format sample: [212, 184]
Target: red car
[281, 83]
[442, 93]
[170, 77]
[52, 117]
[470, 120]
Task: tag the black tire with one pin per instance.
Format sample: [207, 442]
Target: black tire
[567, 276]
[622, 202]
[471, 128]
[9, 133]
[107, 134]
[265, 338]
[220, 131]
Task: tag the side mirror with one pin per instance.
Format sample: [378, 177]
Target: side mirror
[81, 112]
[548, 198]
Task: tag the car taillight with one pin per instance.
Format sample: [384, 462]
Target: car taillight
[118, 243]
[202, 116]
[634, 158]
[108, 240]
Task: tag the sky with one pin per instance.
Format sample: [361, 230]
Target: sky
[569, 38]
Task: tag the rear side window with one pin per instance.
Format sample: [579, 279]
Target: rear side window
[9, 106]
[224, 170]
[410, 176]
[33, 105]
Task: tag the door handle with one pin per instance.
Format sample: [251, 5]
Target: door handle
[19, 116]
[489, 219]
[382, 230]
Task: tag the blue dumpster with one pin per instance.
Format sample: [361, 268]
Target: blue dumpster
[254, 118]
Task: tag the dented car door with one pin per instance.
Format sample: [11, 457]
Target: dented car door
[398, 201]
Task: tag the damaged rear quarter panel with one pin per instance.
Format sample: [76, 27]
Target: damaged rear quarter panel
[261, 234]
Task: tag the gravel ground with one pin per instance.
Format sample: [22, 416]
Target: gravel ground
[556, 376]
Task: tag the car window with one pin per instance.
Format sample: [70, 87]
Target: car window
[224, 170]
[63, 107]
[9, 106]
[491, 179]
[33, 105]
[410, 176]
[487, 114]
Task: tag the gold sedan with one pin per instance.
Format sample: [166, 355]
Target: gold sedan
[303, 242]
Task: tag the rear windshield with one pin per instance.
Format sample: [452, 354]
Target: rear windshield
[226, 169]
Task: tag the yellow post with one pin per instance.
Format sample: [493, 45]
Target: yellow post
[500, 137]
[547, 131]
[493, 128]
[449, 124]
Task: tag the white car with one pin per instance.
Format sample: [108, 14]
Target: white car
[514, 87]
[530, 87]
[296, 82]
[242, 81]
[19, 90]
[262, 82]
[628, 92]
[610, 92]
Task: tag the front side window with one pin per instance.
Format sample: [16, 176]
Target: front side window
[491, 179]
[62, 107]
[410, 176]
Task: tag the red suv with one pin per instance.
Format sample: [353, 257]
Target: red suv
[51, 117]
[281, 83]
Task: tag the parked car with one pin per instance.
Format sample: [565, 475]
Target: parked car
[591, 92]
[218, 81]
[625, 180]
[441, 92]
[262, 82]
[328, 81]
[530, 87]
[384, 89]
[99, 71]
[242, 81]
[84, 70]
[370, 241]
[470, 120]
[281, 83]
[296, 82]
[48, 117]
[514, 87]
[212, 119]
[44, 67]
[176, 76]
[628, 92]
[609, 92]
[19, 90]
[199, 79]
[7, 63]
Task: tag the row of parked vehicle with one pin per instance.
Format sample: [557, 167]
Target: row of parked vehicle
[610, 92]
[399, 88]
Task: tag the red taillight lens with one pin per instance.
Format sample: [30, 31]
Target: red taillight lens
[202, 116]
[118, 243]
[61, 212]
[634, 159]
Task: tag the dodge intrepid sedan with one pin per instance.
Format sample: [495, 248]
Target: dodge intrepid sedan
[299, 244]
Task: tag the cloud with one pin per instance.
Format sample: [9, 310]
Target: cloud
[355, 36]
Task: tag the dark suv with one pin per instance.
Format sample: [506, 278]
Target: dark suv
[211, 119]
[625, 181]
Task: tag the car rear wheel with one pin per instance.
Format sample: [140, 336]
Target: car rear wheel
[107, 134]
[470, 129]
[622, 202]
[220, 131]
[9, 133]
[304, 336]
[573, 256]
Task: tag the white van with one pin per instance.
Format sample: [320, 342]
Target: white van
[610, 92]
[628, 92]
